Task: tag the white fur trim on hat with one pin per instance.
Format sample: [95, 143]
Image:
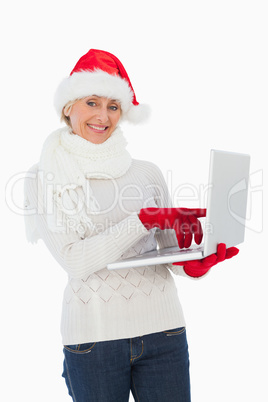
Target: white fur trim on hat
[86, 83]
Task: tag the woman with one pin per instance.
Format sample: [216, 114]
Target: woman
[91, 204]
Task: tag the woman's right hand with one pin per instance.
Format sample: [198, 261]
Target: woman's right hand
[183, 220]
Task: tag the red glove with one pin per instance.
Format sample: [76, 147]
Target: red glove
[197, 268]
[183, 220]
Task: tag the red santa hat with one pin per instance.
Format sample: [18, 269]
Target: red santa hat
[101, 73]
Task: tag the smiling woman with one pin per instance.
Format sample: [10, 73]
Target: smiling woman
[92, 204]
[94, 118]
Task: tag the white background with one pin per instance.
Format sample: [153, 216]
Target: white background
[202, 66]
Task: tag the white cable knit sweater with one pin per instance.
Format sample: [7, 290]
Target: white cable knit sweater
[103, 305]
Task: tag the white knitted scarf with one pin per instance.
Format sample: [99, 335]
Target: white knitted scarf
[67, 163]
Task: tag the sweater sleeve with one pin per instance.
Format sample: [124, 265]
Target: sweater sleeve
[80, 258]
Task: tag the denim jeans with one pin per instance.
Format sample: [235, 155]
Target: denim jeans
[154, 367]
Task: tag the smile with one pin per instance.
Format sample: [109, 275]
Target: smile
[98, 128]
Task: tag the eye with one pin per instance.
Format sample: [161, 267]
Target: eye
[91, 103]
[114, 107]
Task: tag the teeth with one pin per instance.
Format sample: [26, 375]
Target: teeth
[97, 128]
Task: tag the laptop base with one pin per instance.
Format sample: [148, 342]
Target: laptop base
[164, 256]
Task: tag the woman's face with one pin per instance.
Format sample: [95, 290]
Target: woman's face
[95, 118]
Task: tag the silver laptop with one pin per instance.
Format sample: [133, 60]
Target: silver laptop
[225, 218]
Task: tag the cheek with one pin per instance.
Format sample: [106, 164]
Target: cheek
[76, 118]
[116, 118]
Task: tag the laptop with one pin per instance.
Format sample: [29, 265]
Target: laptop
[225, 218]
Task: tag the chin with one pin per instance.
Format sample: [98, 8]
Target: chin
[97, 140]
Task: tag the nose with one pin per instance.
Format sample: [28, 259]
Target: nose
[102, 115]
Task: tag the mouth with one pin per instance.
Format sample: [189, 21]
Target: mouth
[97, 128]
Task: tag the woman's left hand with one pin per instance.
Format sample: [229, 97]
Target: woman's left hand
[197, 268]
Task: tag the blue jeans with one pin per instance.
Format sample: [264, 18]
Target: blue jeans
[155, 368]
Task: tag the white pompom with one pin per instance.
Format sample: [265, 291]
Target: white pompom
[138, 114]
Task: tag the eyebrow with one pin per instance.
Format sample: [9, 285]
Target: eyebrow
[97, 96]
